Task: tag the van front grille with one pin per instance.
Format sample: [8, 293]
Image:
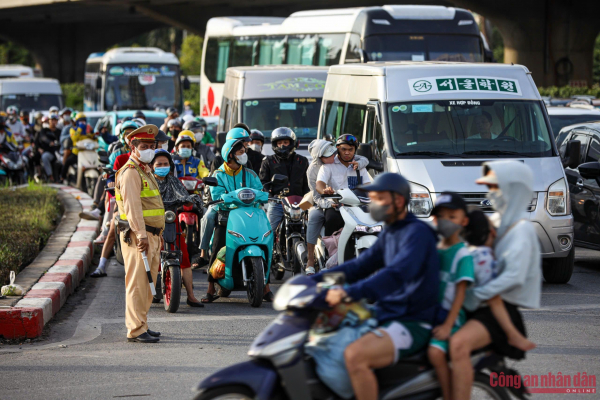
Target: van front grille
[479, 200]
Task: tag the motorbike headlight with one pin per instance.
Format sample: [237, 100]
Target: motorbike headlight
[170, 217]
[246, 196]
[237, 235]
[285, 294]
[295, 213]
[557, 198]
[420, 203]
[367, 229]
[267, 234]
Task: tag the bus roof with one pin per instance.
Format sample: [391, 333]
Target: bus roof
[362, 20]
[134, 55]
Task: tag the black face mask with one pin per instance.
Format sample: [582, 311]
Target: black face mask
[175, 134]
[284, 151]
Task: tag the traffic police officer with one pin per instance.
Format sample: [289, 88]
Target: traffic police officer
[140, 203]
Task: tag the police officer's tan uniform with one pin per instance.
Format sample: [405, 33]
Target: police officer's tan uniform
[140, 203]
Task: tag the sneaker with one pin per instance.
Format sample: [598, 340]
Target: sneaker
[309, 271]
[93, 215]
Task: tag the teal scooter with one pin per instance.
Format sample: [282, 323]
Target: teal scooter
[249, 239]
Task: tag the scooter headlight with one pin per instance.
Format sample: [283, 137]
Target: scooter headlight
[368, 229]
[170, 217]
[295, 213]
[246, 196]
[285, 294]
[420, 203]
[557, 198]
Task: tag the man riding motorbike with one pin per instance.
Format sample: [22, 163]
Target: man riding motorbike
[203, 152]
[77, 133]
[208, 138]
[286, 162]
[185, 163]
[15, 125]
[257, 140]
[341, 174]
[45, 144]
[232, 175]
[400, 272]
[173, 130]
[6, 135]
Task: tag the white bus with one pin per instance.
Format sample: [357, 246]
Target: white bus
[337, 36]
[132, 78]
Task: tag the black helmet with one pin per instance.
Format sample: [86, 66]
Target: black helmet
[202, 122]
[243, 126]
[161, 136]
[171, 110]
[193, 126]
[283, 133]
[348, 139]
[257, 135]
[389, 182]
[139, 114]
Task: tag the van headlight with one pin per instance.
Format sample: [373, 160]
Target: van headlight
[170, 217]
[557, 198]
[420, 203]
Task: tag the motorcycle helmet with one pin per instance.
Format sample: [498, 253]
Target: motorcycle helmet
[80, 116]
[53, 110]
[202, 122]
[230, 147]
[186, 135]
[187, 118]
[243, 126]
[128, 125]
[257, 135]
[283, 133]
[171, 111]
[24, 114]
[348, 139]
[238, 133]
[193, 126]
[139, 114]
[140, 122]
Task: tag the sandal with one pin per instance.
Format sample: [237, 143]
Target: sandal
[268, 297]
[98, 274]
[199, 262]
[209, 298]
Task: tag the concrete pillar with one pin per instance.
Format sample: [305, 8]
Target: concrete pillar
[553, 38]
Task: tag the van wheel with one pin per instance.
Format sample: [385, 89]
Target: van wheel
[559, 270]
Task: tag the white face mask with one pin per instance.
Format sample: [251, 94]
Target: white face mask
[256, 147]
[498, 201]
[243, 159]
[146, 156]
[165, 146]
[199, 136]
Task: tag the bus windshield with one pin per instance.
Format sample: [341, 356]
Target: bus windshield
[469, 129]
[423, 47]
[142, 86]
[299, 114]
[31, 101]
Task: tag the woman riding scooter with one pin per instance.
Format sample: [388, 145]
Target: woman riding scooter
[231, 176]
[171, 189]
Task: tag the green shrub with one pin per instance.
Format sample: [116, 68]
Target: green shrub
[73, 94]
[29, 216]
[193, 96]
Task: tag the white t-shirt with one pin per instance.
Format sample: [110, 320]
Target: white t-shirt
[338, 176]
[17, 129]
[484, 264]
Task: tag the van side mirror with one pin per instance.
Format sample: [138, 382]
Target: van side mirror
[366, 150]
[221, 139]
[363, 56]
[185, 83]
[99, 83]
[572, 155]
[590, 170]
[210, 181]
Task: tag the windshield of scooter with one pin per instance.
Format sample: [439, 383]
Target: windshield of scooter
[470, 129]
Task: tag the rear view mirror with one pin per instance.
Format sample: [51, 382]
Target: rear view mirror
[279, 179]
[366, 150]
[210, 181]
[363, 56]
[590, 170]
[572, 155]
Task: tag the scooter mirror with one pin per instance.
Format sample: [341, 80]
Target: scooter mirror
[279, 179]
[210, 181]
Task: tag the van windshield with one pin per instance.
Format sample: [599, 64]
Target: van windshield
[299, 114]
[31, 101]
[423, 47]
[469, 128]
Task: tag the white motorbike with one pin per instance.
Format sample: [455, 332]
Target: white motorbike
[360, 230]
[87, 166]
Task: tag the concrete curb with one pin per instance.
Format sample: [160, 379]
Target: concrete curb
[55, 273]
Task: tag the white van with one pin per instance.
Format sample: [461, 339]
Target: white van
[436, 123]
[30, 93]
[268, 97]
[15, 71]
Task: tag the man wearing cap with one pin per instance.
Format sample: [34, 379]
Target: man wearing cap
[400, 272]
[139, 202]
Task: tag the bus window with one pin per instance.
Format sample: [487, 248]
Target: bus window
[330, 49]
[216, 59]
[90, 93]
[272, 50]
[301, 50]
[243, 51]
[423, 47]
[353, 50]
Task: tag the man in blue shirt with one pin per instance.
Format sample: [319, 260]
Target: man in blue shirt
[401, 273]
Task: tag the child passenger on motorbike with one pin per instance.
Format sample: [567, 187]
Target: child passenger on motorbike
[231, 176]
[171, 189]
[400, 272]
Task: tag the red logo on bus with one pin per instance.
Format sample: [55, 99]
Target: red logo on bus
[210, 109]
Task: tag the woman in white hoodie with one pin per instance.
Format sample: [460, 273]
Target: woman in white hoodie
[519, 280]
[322, 152]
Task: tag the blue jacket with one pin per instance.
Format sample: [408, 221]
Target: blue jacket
[400, 271]
[193, 167]
[228, 183]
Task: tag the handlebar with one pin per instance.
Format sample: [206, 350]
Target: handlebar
[334, 196]
[210, 203]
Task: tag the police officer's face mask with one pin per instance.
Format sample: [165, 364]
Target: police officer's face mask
[145, 156]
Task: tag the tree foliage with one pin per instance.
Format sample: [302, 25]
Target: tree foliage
[191, 55]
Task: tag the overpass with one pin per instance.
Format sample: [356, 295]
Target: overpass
[553, 38]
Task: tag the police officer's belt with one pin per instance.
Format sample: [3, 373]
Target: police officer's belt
[153, 230]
